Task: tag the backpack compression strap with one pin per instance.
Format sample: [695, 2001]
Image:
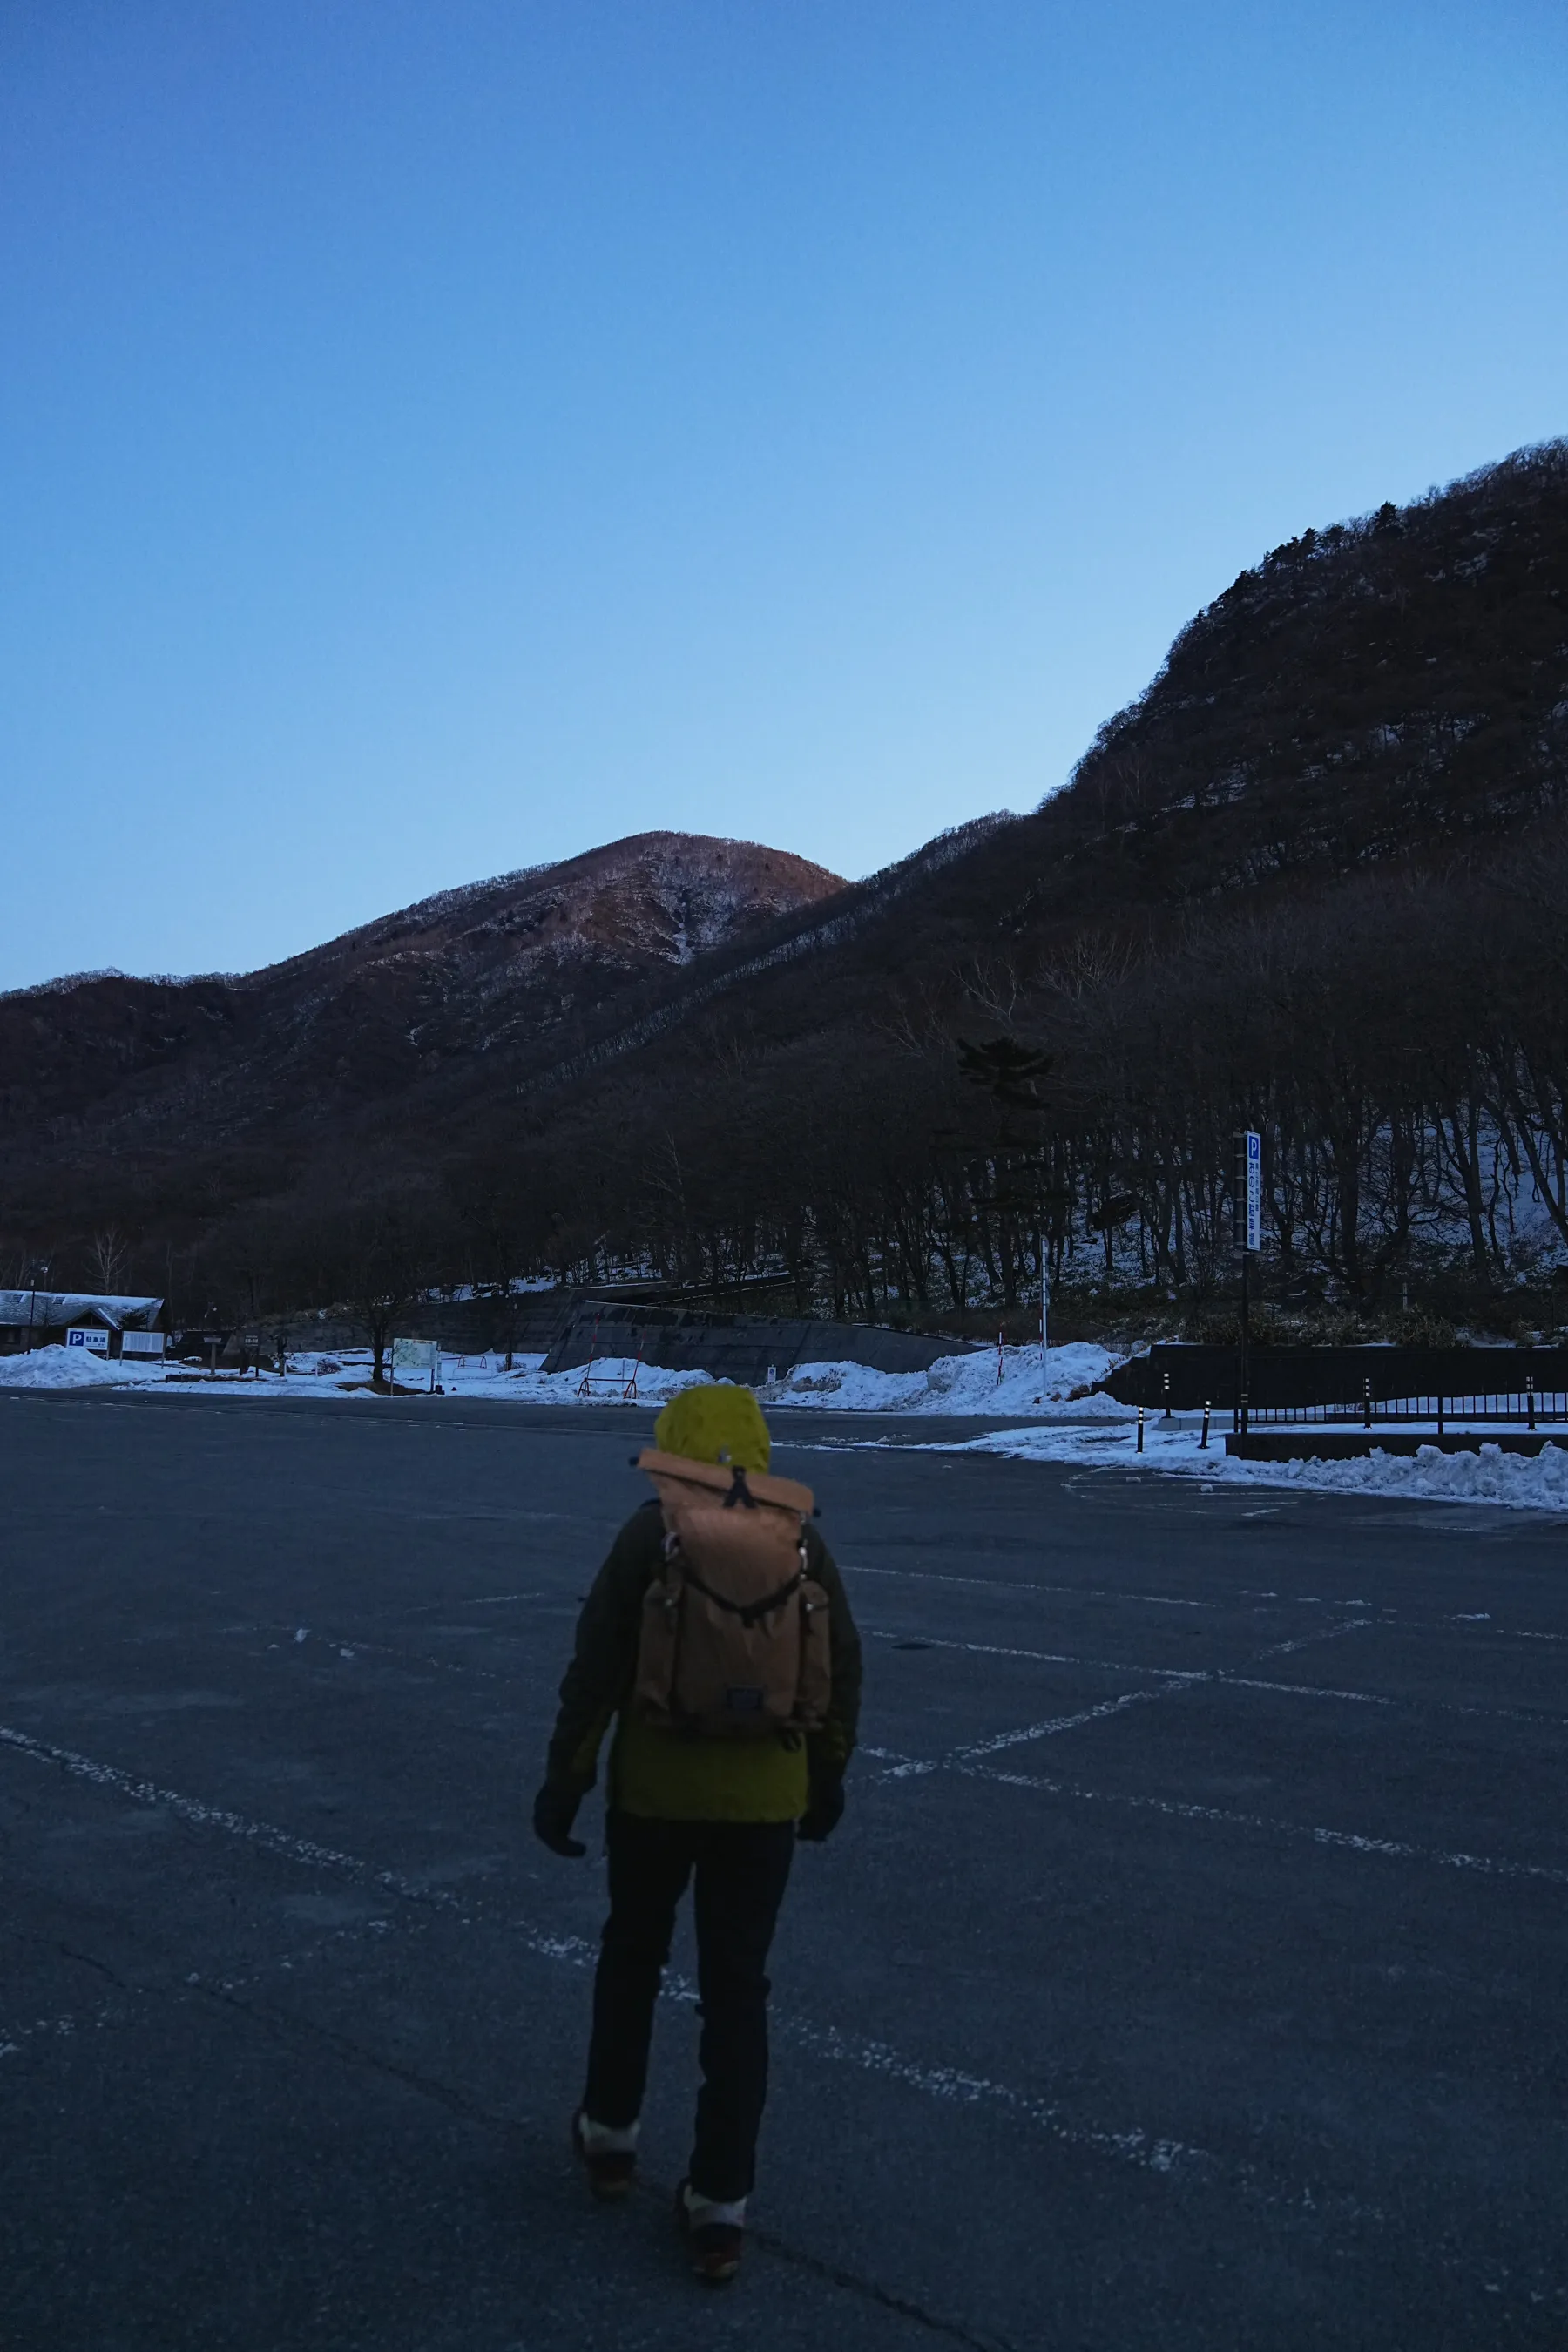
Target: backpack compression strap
[749, 1613]
[721, 1479]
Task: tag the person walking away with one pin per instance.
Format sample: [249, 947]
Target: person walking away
[718, 1640]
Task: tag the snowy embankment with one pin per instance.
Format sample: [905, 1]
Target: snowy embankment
[75, 1368]
[967, 1384]
[1523, 1482]
[986, 1381]
[983, 1383]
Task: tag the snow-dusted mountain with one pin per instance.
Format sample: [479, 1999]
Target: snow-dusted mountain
[653, 898]
[1350, 776]
[455, 994]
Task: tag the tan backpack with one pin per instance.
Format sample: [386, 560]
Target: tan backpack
[734, 1642]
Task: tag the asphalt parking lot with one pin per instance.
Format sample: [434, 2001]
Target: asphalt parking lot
[1188, 1971]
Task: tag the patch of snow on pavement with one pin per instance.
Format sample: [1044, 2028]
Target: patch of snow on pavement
[1522, 1481]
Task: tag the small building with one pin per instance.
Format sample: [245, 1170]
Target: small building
[41, 1318]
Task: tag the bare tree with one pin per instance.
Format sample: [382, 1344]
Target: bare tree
[108, 1255]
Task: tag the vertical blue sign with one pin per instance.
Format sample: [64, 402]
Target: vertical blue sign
[1254, 1191]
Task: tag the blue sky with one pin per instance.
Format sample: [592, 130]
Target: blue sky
[436, 438]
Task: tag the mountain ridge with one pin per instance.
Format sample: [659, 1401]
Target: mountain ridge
[449, 970]
[1352, 742]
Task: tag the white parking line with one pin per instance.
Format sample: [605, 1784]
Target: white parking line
[1195, 1676]
[1391, 1699]
[915, 1769]
[1153, 2152]
[1042, 1657]
[15, 2038]
[1308, 1641]
[260, 1834]
[1046, 1730]
[1022, 1584]
[1349, 1841]
[1386, 1615]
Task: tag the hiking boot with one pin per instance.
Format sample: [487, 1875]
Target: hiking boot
[714, 2234]
[608, 2156]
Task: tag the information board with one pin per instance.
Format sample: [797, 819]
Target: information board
[417, 1359]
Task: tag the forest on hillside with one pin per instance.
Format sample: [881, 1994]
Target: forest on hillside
[1371, 970]
[1313, 882]
[1402, 1045]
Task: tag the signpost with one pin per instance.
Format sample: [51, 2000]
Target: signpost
[40, 1266]
[1246, 1207]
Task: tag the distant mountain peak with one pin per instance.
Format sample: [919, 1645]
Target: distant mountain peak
[521, 959]
[667, 897]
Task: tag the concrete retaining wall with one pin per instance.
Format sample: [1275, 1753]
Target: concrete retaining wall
[741, 1348]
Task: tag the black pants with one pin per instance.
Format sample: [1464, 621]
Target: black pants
[740, 1870]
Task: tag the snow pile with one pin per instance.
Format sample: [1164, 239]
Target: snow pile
[962, 1384]
[1523, 1481]
[61, 1368]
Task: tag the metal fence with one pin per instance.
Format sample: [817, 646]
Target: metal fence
[1305, 1382]
[1528, 1407]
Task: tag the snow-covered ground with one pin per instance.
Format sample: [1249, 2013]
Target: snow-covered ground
[967, 1384]
[981, 1384]
[1526, 1482]
[1063, 1420]
[978, 1384]
[347, 1373]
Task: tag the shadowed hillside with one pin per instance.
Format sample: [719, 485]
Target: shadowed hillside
[463, 984]
[1313, 880]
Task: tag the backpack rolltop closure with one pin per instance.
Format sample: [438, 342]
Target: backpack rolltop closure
[734, 1637]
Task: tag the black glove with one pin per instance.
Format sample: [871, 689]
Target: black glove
[554, 1810]
[823, 1814]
